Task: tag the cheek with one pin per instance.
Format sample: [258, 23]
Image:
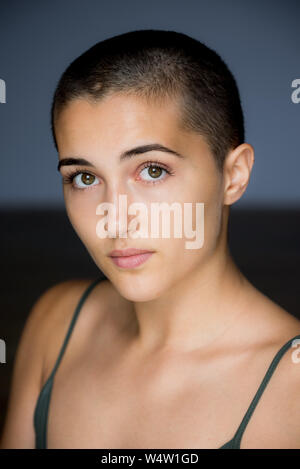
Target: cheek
[201, 227]
[177, 260]
[83, 218]
[209, 193]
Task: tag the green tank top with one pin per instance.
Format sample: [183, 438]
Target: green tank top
[42, 405]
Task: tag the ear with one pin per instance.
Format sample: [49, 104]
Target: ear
[237, 169]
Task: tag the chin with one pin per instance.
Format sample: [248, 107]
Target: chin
[137, 286]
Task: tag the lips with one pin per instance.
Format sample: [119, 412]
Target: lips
[127, 252]
[130, 258]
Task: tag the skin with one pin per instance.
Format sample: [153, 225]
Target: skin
[207, 279]
[171, 353]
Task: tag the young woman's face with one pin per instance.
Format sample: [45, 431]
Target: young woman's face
[100, 133]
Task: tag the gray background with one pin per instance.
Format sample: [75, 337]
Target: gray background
[259, 40]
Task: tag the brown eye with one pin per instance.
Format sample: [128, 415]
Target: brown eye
[83, 180]
[87, 178]
[154, 171]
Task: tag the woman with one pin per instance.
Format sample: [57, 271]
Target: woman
[173, 348]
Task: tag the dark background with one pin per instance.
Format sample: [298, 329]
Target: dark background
[259, 40]
[41, 248]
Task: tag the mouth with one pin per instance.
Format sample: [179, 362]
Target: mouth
[130, 258]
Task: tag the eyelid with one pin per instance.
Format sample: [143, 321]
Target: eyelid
[154, 163]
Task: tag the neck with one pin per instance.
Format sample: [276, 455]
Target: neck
[196, 311]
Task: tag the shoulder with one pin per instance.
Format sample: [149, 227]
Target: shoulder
[278, 327]
[268, 322]
[51, 314]
[266, 332]
[288, 382]
[285, 388]
[53, 306]
[50, 307]
[283, 391]
[54, 310]
[47, 319]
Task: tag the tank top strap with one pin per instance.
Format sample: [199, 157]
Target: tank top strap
[236, 440]
[73, 321]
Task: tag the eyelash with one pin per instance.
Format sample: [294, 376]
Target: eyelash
[69, 178]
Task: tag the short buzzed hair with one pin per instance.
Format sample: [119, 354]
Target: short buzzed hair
[158, 64]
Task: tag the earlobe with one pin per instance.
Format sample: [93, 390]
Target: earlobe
[237, 170]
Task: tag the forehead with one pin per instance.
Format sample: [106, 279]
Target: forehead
[117, 113]
[121, 121]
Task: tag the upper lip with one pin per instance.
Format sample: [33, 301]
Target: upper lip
[127, 252]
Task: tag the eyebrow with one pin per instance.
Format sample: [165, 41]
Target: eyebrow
[125, 155]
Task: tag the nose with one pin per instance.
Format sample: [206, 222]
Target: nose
[119, 224]
[115, 209]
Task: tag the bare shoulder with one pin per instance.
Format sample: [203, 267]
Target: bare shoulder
[43, 331]
[57, 305]
[53, 310]
[57, 308]
[288, 374]
[270, 327]
[278, 333]
[269, 320]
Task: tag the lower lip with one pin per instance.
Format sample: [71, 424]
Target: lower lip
[129, 262]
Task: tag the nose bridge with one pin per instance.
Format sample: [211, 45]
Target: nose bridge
[118, 194]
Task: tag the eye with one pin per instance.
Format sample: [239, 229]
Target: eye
[86, 179]
[154, 172]
[81, 180]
